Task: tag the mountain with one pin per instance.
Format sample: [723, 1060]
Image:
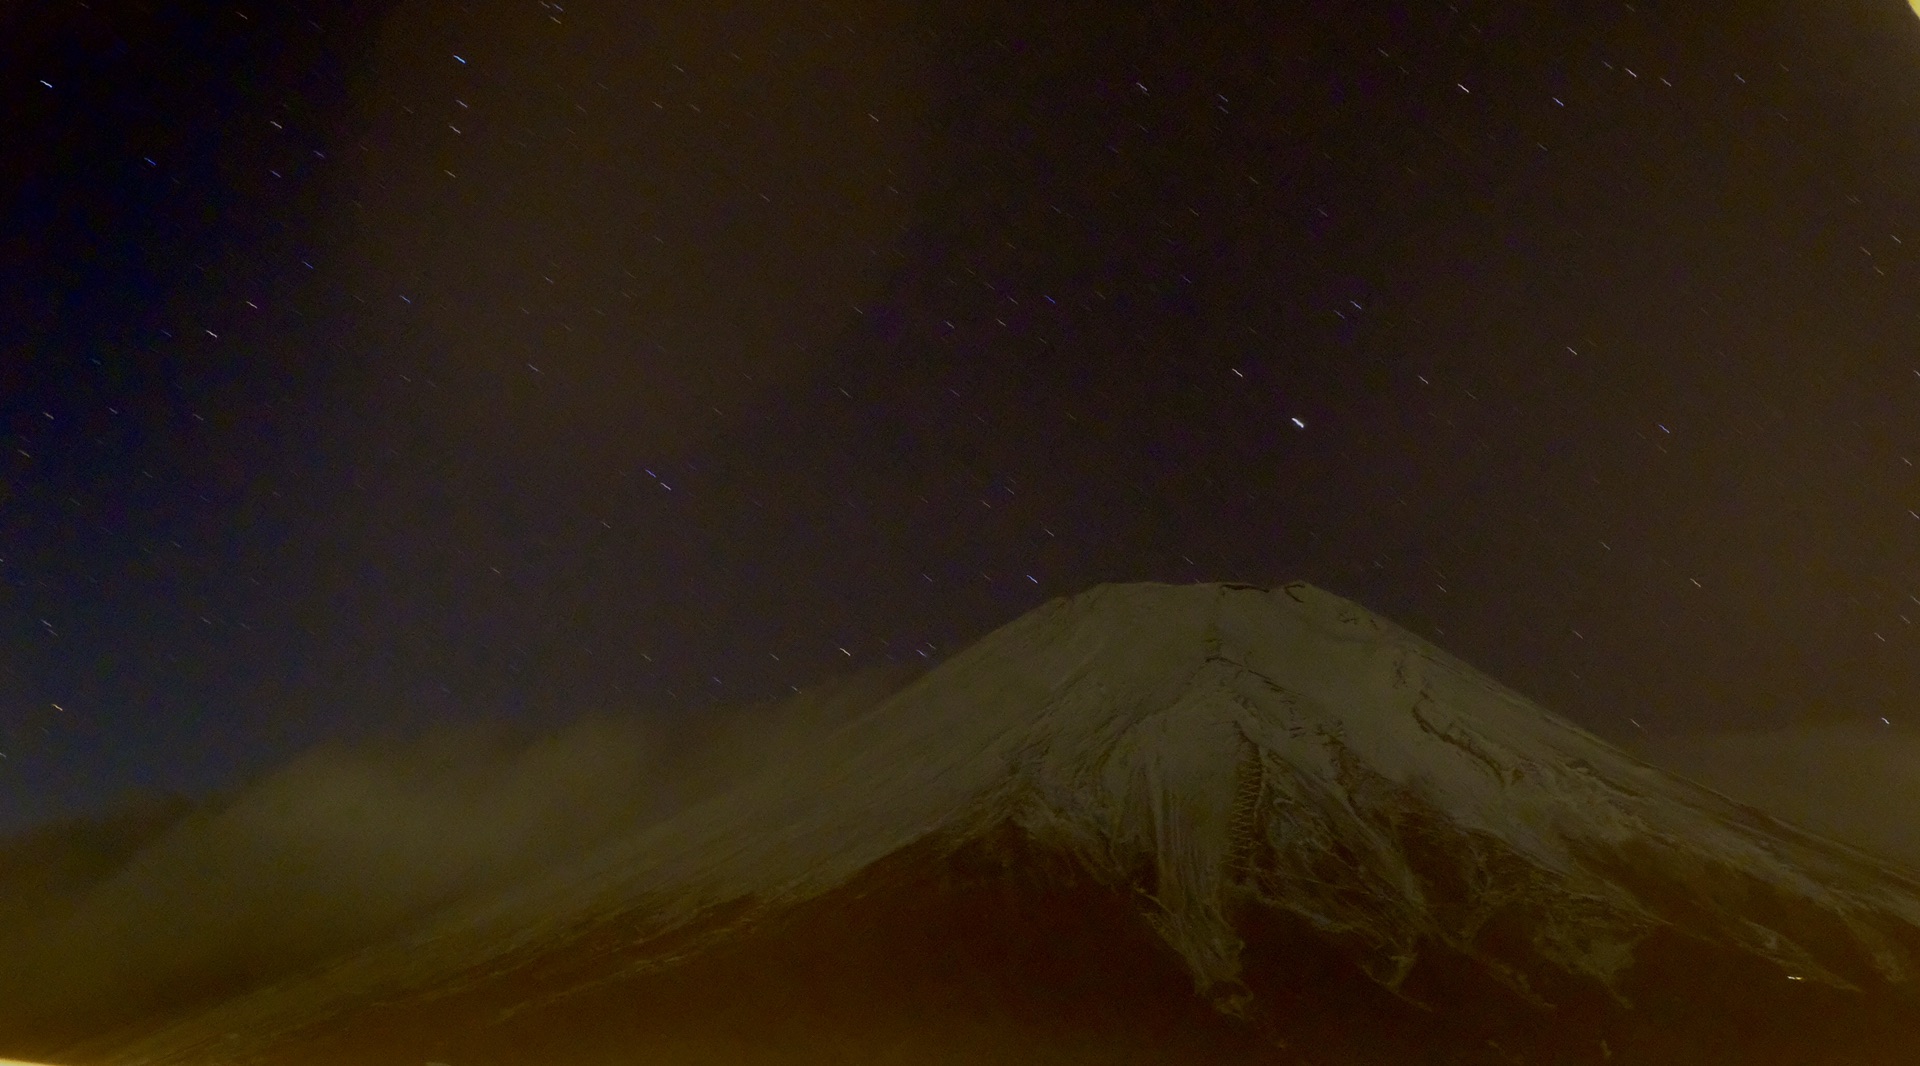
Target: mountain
[1150, 824]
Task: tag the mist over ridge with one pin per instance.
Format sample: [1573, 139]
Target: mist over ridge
[172, 903]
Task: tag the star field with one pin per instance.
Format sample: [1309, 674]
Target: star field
[384, 364]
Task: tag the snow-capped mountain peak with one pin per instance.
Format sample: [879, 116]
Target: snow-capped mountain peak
[1222, 746]
[1225, 760]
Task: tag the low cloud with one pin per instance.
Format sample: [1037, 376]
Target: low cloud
[114, 924]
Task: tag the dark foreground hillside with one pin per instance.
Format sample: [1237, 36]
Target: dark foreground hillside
[1003, 952]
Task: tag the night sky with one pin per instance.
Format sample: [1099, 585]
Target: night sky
[371, 366]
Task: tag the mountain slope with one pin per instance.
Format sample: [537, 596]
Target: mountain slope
[1351, 845]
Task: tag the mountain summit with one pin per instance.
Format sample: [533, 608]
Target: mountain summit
[1144, 824]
